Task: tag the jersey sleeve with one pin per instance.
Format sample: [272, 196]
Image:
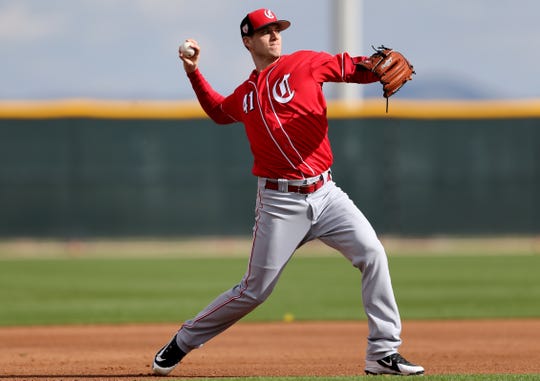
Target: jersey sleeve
[211, 101]
[340, 68]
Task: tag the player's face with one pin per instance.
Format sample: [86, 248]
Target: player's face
[266, 42]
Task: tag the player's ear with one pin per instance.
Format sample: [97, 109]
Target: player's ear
[247, 42]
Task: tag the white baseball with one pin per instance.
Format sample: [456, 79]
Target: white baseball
[187, 50]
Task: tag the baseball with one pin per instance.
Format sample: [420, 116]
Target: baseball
[187, 50]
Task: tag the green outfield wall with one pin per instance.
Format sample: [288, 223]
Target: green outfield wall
[83, 169]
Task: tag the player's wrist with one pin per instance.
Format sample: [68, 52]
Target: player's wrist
[191, 71]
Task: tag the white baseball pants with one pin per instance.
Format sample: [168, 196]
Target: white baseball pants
[284, 222]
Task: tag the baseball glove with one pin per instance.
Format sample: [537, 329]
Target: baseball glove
[391, 67]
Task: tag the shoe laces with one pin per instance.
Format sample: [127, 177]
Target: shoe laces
[172, 352]
[398, 359]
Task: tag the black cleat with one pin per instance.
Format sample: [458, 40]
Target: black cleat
[393, 364]
[167, 358]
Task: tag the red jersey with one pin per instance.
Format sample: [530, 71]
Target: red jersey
[283, 110]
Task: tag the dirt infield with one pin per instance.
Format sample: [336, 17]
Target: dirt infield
[124, 352]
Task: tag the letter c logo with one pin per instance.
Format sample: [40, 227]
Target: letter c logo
[282, 91]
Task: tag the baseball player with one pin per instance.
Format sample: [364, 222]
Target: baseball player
[283, 110]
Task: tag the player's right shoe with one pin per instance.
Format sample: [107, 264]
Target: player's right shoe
[167, 358]
[393, 364]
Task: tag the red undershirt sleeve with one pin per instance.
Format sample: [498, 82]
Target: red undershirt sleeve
[340, 68]
[357, 74]
[209, 99]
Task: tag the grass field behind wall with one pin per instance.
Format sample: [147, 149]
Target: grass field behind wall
[88, 283]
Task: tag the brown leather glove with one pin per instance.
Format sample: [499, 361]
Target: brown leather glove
[391, 67]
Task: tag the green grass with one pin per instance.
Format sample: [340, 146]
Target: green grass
[107, 290]
[473, 377]
[468, 287]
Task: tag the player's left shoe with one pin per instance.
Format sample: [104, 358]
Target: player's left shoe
[393, 364]
[167, 358]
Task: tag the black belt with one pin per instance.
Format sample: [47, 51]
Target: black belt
[302, 189]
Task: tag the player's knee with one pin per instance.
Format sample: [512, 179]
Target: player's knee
[370, 254]
[254, 298]
[256, 294]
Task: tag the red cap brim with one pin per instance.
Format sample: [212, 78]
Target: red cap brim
[283, 24]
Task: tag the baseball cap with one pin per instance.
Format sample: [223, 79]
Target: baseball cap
[259, 19]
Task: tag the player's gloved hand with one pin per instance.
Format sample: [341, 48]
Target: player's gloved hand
[392, 68]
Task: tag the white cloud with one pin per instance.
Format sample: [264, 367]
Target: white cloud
[21, 23]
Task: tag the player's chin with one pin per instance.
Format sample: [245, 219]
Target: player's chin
[275, 53]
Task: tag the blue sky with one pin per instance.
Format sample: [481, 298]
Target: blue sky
[127, 49]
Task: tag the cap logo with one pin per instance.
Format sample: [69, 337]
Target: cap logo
[269, 14]
[259, 19]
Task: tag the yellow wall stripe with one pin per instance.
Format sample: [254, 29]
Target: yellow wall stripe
[105, 109]
[369, 108]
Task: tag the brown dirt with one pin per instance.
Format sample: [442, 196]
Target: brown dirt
[124, 352]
